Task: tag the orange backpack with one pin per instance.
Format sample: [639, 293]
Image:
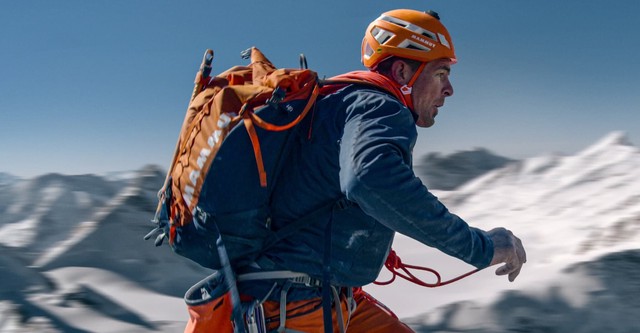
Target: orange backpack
[230, 98]
[236, 128]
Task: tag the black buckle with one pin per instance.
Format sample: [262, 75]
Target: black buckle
[343, 203]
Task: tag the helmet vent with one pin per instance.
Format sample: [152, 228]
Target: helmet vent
[409, 26]
[395, 21]
[444, 41]
[429, 35]
[381, 35]
[368, 51]
[413, 47]
[407, 44]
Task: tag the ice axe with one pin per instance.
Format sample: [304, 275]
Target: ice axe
[203, 76]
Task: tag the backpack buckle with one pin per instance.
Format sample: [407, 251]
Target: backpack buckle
[307, 281]
[276, 97]
[343, 203]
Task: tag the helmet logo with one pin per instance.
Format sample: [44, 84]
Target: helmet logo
[423, 41]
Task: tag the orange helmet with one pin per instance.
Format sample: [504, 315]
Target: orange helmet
[407, 34]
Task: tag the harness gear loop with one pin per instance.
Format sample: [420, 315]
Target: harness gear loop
[399, 269]
[290, 279]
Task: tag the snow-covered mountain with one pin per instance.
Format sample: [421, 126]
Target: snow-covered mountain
[7, 179]
[587, 297]
[573, 213]
[73, 258]
[447, 172]
[572, 207]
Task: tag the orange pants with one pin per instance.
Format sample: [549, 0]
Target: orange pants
[370, 316]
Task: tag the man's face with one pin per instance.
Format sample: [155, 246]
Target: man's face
[430, 90]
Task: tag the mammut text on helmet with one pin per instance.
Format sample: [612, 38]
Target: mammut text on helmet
[423, 41]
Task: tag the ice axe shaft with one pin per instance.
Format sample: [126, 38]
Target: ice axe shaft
[203, 75]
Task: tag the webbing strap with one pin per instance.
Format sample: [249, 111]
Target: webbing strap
[251, 119]
[283, 312]
[278, 128]
[272, 275]
[326, 279]
[340, 204]
[351, 305]
[339, 317]
[301, 223]
[407, 88]
[256, 149]
[283, 306]
[373, 79]
[294, 278]
[230, 281]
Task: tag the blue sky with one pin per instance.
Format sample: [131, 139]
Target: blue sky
[97, 86]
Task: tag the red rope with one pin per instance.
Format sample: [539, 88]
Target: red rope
[399, 269]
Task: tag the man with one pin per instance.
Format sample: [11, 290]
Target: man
[358, 146]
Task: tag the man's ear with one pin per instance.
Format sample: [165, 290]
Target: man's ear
[401, 72]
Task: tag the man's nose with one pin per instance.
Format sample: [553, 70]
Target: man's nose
[448, 89]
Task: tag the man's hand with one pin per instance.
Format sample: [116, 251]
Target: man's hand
[507, 249]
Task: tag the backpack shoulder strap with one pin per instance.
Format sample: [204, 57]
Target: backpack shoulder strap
[367, 78]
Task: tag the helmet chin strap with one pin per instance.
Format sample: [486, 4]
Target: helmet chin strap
[407, 88]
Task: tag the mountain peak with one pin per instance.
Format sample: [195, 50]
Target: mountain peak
[7, 178]
[608, 142]
[447, 172]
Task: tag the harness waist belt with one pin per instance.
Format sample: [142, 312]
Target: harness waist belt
[293, 277]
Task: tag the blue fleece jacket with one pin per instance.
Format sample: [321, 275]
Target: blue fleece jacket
[358, 143]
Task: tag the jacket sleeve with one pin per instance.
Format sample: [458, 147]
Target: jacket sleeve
[376, 173]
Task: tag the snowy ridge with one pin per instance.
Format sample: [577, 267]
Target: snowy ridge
[573, 214]
[589, 202]
[81, 264]
[74, 260]
[7, 179]
[134, 189]
[448, 172]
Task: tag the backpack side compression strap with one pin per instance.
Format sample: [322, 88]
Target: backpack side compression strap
[299, 224]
